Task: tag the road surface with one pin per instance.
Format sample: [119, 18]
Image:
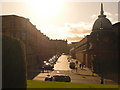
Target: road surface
[81, 76]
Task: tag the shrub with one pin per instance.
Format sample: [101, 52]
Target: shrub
[13, 63]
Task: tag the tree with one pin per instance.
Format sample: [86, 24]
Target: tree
[13, 63]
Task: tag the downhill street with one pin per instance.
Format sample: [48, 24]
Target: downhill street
[81, 76]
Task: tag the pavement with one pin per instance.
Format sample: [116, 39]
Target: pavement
[89, 75]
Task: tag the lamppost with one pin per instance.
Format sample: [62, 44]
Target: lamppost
[101, 71]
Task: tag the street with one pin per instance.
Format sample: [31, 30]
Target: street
[62, 63]
[79, 76]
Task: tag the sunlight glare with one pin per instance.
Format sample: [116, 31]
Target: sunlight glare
[46, 9]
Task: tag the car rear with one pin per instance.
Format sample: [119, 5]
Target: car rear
[61, 78]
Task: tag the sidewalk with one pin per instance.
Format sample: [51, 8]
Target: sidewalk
[87, 73]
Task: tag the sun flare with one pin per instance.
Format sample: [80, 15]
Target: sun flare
[46, 9]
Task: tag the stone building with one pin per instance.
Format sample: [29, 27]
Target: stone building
[22, 29]
[80, 51]
[38, 46]
[59, 46]
[101, 46]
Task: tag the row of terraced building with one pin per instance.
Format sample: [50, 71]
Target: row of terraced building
[38, 46]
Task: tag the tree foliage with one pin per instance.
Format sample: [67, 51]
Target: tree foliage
[103, 66]
[13, 63]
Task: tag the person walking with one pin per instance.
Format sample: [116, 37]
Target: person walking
[76, 62]
[101, 81]
[80, 65]
[76, 68]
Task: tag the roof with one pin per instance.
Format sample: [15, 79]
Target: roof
[102, 23]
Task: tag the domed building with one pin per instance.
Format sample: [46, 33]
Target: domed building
[103, 47]
[98, 51]
[102, 23]
[102, 32]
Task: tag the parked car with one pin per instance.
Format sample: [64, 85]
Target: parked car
[48, 67]
[48, 78]
[72, 65]
[58, 78]
[61, 78]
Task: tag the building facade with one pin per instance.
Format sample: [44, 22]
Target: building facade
[101, 46]
[38, 46]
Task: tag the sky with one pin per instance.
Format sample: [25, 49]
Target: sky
[70, 20]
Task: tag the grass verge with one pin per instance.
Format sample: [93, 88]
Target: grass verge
[49, 84]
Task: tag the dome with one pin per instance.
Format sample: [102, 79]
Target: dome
[102, 23]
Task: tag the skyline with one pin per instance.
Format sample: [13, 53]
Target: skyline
[71, 20]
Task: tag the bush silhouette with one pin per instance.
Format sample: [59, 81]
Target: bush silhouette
[13, 63]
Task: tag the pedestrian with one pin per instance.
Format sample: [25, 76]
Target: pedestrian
[76, 62]
[80, 65]
[84, 65]
[101, 81]
[76, 68]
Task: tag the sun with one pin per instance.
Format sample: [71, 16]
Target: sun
[46, 9]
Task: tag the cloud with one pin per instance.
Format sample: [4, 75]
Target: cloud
[77, 31]
[94, 16]
[75, 38]
[71, 32]
[74, 31]
[108, 14]
[112, 17]
[54, 32]
[81, 28]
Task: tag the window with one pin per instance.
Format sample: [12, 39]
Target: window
[23, 36]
